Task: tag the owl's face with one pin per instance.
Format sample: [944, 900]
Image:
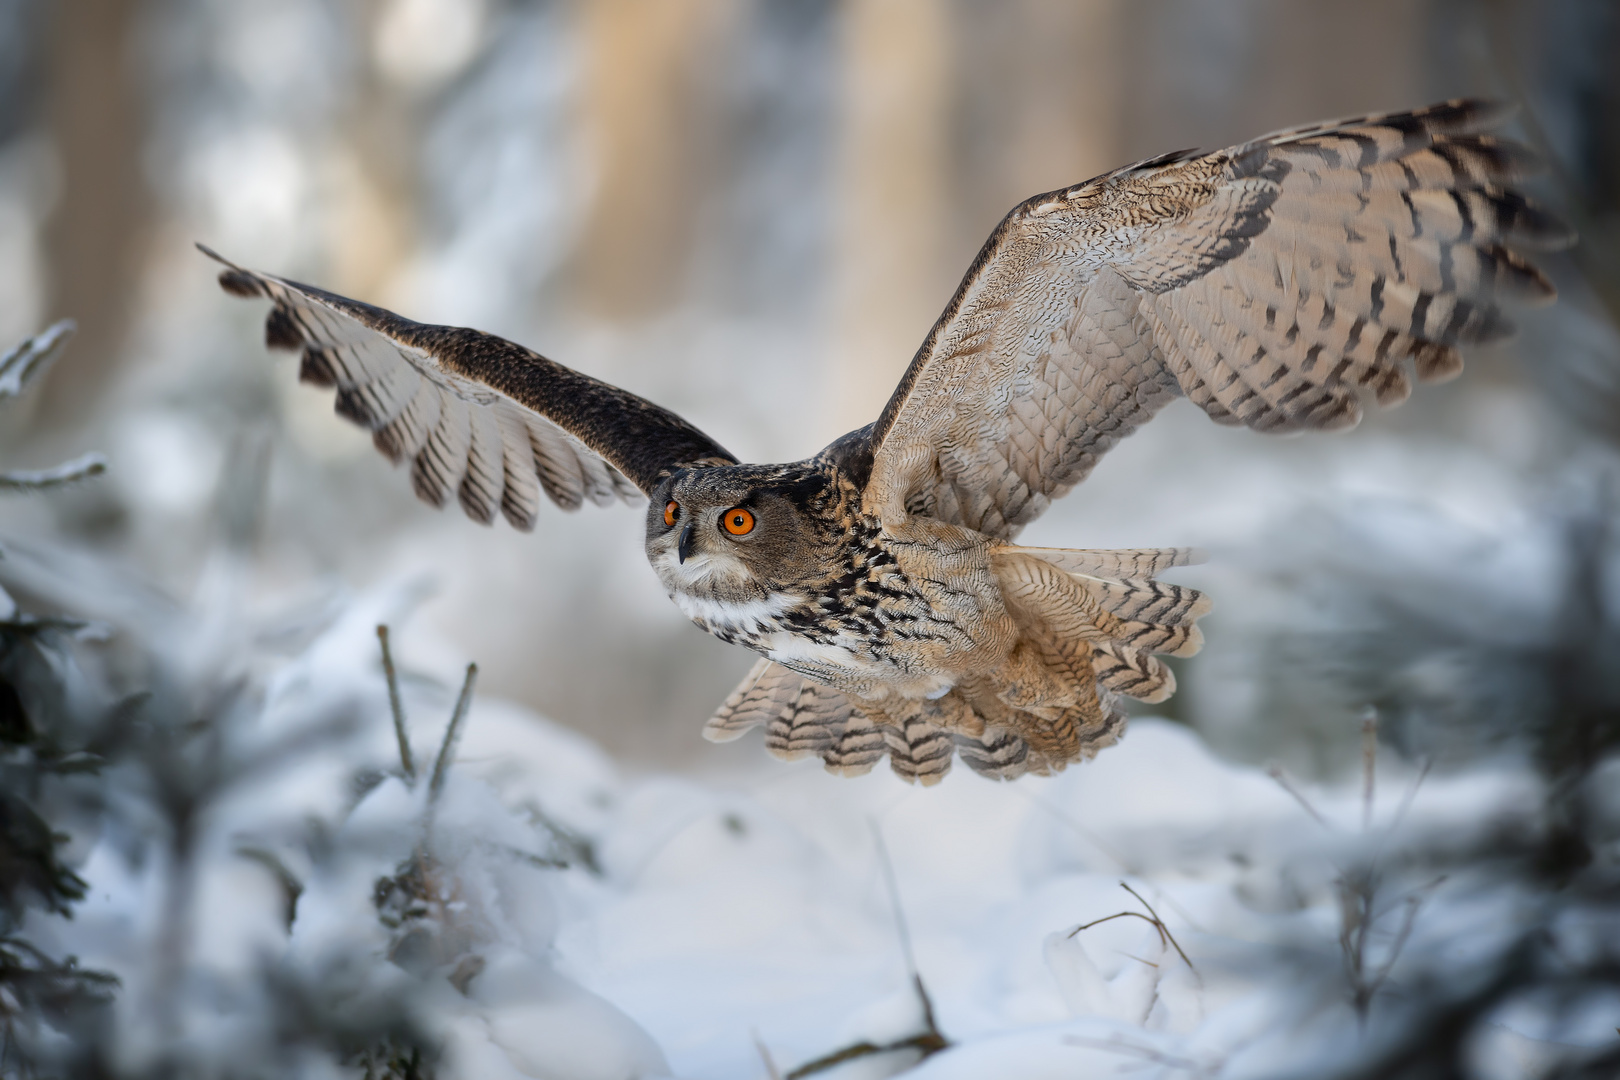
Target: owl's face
[733, 534]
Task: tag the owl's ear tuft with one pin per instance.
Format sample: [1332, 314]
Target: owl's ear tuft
[239, 283]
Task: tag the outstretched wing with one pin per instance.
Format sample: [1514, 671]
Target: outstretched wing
[476, 415]
[1270, 283]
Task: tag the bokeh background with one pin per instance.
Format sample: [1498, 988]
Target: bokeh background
[751, 211]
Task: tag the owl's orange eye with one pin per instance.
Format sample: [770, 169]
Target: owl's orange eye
[670, 509]
[738, 522]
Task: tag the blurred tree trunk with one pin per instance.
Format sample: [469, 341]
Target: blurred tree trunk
[1039, 107]
[96, 102]
[650, 117]
[374, 228]
[952, 114]
[891, 277]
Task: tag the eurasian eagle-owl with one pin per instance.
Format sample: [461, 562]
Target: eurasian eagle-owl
[1271, 283]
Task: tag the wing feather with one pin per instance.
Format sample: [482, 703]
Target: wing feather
[485, 479]
[520, 494]
[1274, 284]
[476, 416]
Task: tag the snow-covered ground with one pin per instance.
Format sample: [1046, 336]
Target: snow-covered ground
[726, 926]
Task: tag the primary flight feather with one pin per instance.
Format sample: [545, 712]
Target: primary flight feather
[1273, 283]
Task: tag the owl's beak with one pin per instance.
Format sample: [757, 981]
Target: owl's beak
[684, 548]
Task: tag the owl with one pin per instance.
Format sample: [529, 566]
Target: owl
[1276, 284]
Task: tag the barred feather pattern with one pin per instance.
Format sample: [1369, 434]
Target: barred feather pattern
[803, 718]
[462, 439]
[1103, 634]
[1273, 283]
[1099, 635]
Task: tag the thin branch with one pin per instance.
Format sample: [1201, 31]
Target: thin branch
[771, 1070]
[1153, 920]
[1156, 924]
[68, 472]
[1369, 764]
[1277, 773]
[930, 1043]
[1120, 1046]
[930, 1027]
[544, 862]
[1120, 862]
[1163, 929]
[1412, 905]
[930, 1040]
[23, 364]
[1411, 792]
[1421, 891]
[396, 706]
[893, 886]
[441, 766]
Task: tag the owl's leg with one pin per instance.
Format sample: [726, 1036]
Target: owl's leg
[1094, 636]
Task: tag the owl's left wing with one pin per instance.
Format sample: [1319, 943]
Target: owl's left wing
[477, 416]
[1271, 283]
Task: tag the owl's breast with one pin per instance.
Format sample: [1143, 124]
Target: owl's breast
[906, 613]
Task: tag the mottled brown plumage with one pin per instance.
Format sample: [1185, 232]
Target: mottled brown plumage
[1274, 284]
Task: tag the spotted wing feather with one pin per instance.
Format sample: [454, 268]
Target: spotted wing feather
[1273, 283]
[482, 421]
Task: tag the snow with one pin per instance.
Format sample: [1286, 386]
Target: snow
[704, 923]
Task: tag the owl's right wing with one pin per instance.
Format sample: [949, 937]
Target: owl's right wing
[476, 415]
[1271, 283]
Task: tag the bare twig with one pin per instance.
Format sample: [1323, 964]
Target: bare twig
[1120, 1046]
[893, 886]
[1356, 900]
[1277, 773]
[79, 468]
[1411, 792]
[23, 364]
[396, 706]
[930, 1027]
[1163, 929]
[441, 765]
[544, 862]
[927, 1044]
[930, 1040]
[1369, 764]
[1410, 917]
[771, 1070]
[1123, 915]
[1120, 862]
[1151, 918]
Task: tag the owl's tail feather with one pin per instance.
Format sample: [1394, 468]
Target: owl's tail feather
[1001, 754]
[919, 752]
[803, 718]
[998, 754]
[811, 724]
[761, 696]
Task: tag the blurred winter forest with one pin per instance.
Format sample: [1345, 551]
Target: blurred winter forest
[751, 211]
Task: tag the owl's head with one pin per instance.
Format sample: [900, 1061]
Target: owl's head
[737, 533]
